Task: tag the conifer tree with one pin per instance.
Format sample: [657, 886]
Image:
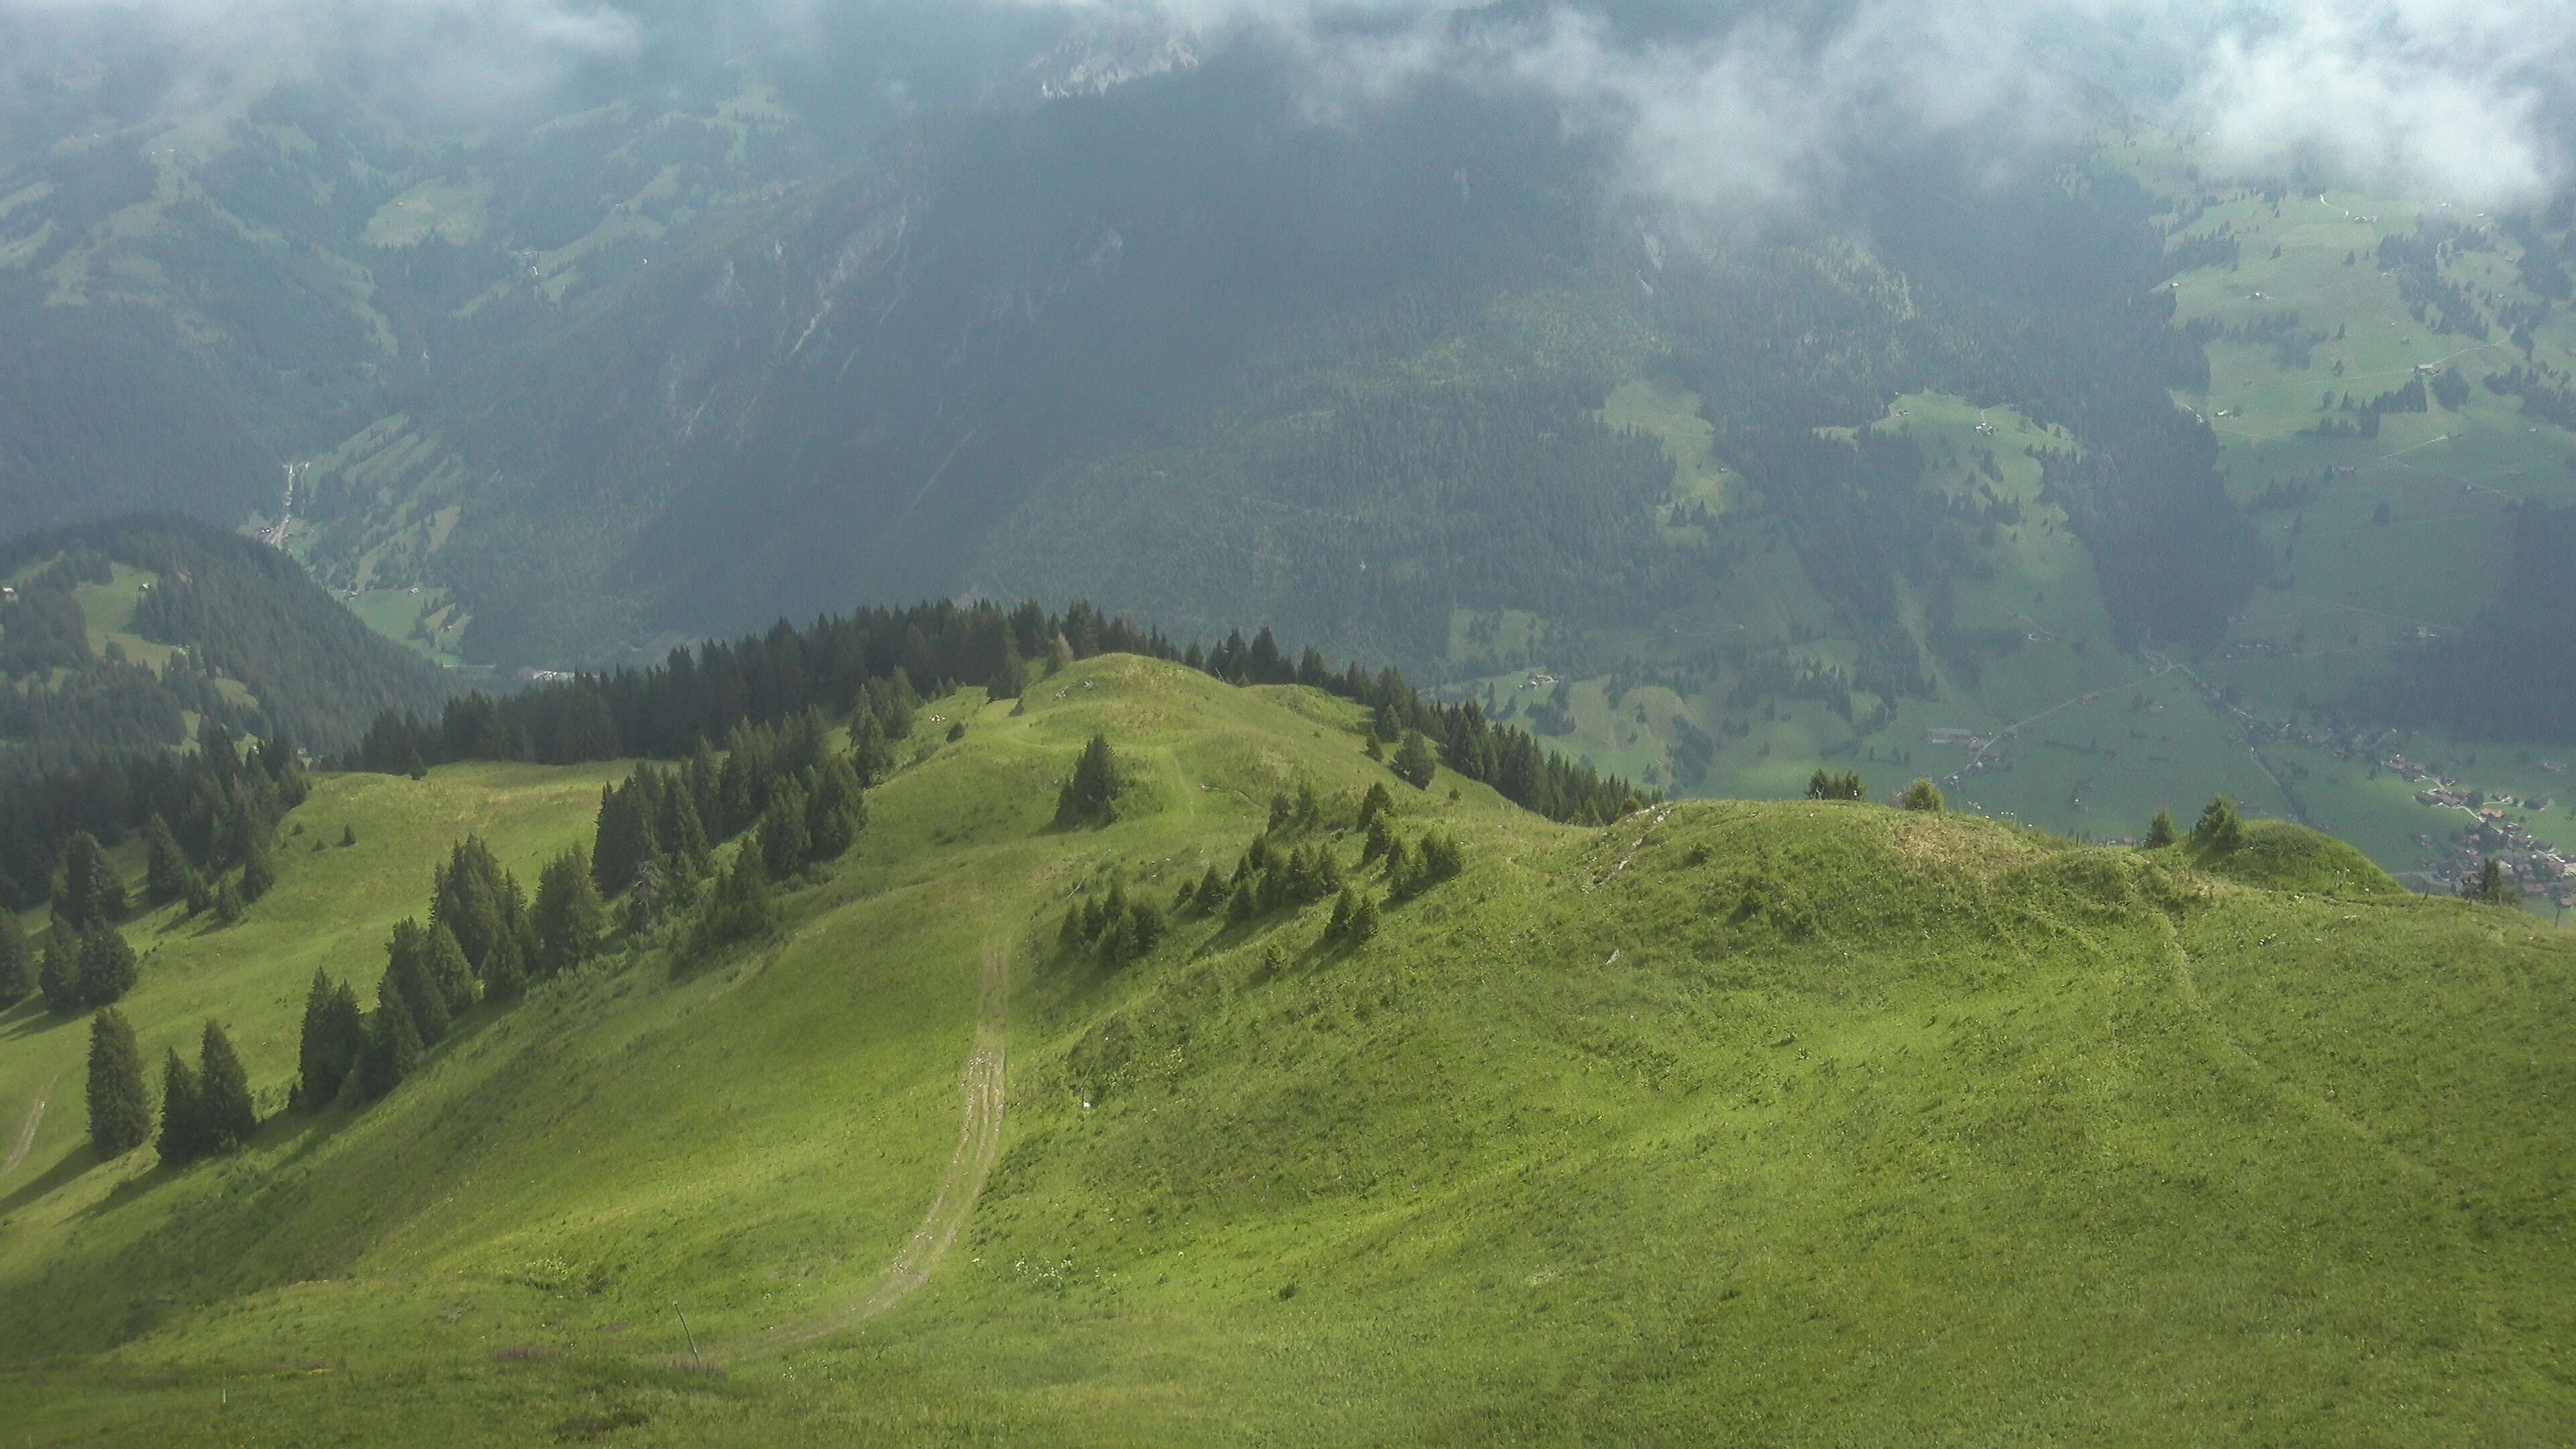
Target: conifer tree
[165, 870]
[229, 909]
[785, 844]
[2491, 886]
[17, 965]
[200, 899]
[1089, 796]
[871, 754]
[1925, 796]
[59, 977]
[226, 1114]
[120, 1100]
[2160, 831]
[1011, 678]
[91, 892]
[1209, 898]
[407, 978]
[107, 966]
[450, 974]
[334, 1034]
[259, 872]
[505, 974]
[740, 909]
[569, 917]
[1364, 921]
[1069, 936]
[393, 1047]
[183, 1129]
[1414, 764]
[1241, 906]
[1345, 906]
[626, 837]
[2219, 826]
[1374, 804]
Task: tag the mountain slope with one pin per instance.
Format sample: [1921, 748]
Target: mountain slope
[123, 636]
[1814, 1122]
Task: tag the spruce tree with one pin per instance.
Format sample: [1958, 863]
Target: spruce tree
[837, 813]
[569, 917]
[107, 966]
[334, 1033]
[224, 1107]
[60, 978]
[449, 973]
[2219, 826]
[228, 903]
[1374, 804]
[183, 1128]
[1925, 796]
[1414, 764]
[1090, 794]
[91, 892]
[165, 870]
[1209, 898]
[2491, 886]
[407, 977]
[1344, 907]
[784, 842]
[626, 838]
[17, 964]
[1364, 921]
[740, 909]
[2160, 831]
[193, 889]
[393, 1047]
[1069, 936]
[120, 1100]
[259, 873]
[505, 974]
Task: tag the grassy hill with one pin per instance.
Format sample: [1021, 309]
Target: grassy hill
[1738, 1122]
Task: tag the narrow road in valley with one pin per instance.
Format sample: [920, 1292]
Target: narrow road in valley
[979, 1145]
[27, 1131]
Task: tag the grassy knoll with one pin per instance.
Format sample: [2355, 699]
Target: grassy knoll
[1788, 1123]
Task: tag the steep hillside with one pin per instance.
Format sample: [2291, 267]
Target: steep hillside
[123, 636]
[1811, 1123]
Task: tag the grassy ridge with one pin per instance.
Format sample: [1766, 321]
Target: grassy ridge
[1774, 1123]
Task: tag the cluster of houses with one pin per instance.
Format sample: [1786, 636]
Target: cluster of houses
[1539, 681]
[2539, 868]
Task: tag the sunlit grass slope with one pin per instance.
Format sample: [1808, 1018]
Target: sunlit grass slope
[1731, 1123]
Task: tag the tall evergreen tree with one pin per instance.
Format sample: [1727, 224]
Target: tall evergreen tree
[91, 892]
[784, 843]
[1413, 763]
[120, 1100]
[60, 977]
[393, 1048]
[107, 966]
[449, 973]
[1090, 794]
[837, 813]
[406, 974]
[225, 1110]
[740, 909]
[2161, 831]
[165, 869]
[334, 1033]
[570, 918]
[2220, 827]
[183, 1118]
[1926, 796]
[625, 837]
[17, 964]
[259, 871]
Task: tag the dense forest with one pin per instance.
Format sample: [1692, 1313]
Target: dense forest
[870, 662]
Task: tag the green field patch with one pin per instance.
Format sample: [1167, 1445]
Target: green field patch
[447, 209]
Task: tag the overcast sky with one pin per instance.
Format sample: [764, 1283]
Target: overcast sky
[2460, 100]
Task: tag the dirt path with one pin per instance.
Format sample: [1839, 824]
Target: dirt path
[979, 1144]
[27, 1133]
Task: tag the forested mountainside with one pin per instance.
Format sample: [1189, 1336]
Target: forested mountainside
[130, 636]
[2080, 467]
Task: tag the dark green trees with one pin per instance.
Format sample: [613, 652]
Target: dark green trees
[165, 870]
[786, 840]
[259, 872]
[2219, 826]
[837, 813]
[107, 966]
[1926, 796]
[335, 1032]
[1846, 786]
[182, 1120]
[570, 918]
[2161, 831]
[1414, 763]
[120, 1101]
[1090, 795]
[408, 981]
[227, 1117]
[17, 966]
[59, 976]
[90, 892]
[740, 909]
[2491, 886]
[393, 1047]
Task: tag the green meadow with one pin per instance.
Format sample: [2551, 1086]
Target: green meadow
[1730, 1123]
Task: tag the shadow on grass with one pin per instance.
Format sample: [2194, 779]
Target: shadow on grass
[75, 1162]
